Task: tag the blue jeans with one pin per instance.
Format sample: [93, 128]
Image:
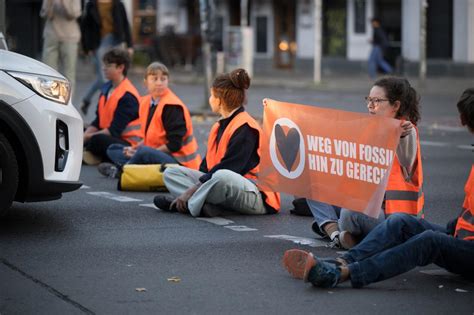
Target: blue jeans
[376, 60]
[144, 155]
[356, 223]
[403, 242]
[106, 43]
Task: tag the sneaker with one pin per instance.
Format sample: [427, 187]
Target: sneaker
[324, 274]
[347, 240]
[164, 203]
[317, 230]
[335, 243]
[298, 263]
[90, 159]
[108, 170]
[85, 106]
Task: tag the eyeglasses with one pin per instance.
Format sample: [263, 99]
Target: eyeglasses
[375, 101]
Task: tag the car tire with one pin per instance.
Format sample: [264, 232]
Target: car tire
[8, 174]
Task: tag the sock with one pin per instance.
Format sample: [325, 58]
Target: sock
[331, 229]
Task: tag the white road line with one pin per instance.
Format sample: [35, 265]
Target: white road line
[434, 143]
[216, 220]
[466, 147]
[446, 128]
[85, 187]
[437, 272]
[149, 205]
[111, 196]
[311, 242]
[240, 228]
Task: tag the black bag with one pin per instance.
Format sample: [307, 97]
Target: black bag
[301, 207]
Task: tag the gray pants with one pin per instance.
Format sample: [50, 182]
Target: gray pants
[354, 222]
[225, 189]
[58, 53]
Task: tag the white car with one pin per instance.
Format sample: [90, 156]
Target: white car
[40, 132]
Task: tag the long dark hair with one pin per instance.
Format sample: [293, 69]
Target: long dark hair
[399, 89]
[230, 87]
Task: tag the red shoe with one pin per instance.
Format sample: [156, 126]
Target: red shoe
[298, 263]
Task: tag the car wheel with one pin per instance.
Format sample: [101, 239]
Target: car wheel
[8, 174]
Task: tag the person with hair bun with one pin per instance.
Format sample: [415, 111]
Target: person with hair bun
[400, 243]
[391, 97]
[226, 178]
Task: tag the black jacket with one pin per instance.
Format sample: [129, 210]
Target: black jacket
[91, 23]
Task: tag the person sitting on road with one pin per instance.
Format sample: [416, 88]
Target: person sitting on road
[394, 98]
[117, 111]
[400, 243]
[227, 174]
[166, 129]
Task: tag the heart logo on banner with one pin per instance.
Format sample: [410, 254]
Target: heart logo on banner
[288, 145]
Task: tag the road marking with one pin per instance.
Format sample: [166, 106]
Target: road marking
[311, 242]
[85, 187]
[149, 205]
[435, 126]
[434, 143]
[437, 272]
[240, 228]
[216, 220]
[111, 196]
[466, 147]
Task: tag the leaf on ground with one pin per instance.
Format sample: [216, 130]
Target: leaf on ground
[140, 289]
[174, 279]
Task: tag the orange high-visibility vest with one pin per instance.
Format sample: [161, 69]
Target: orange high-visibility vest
[107, 108]
[402, 195]
[215, 153]
[465, 224]
[155, 135]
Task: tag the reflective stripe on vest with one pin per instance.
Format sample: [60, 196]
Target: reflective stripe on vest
[402, 195]
[186, 158]
[216, 152]
[107, 107]
[465, 224]
[155, 135]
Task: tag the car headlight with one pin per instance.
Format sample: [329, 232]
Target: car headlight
[52, 88]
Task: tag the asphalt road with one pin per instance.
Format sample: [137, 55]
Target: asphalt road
[96, 251]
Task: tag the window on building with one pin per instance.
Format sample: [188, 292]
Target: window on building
[219, 33]
[261, 34]
[359, 16]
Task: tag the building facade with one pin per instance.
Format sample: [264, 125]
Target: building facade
[284, 30]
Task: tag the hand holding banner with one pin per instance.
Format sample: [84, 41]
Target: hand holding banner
[333, 156]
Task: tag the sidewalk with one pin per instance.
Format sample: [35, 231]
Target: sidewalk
[294, 86]
[302, 79]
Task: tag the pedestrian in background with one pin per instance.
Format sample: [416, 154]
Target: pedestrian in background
[104, 25]
[117, 110]
[61, 36]
[379, 44]
[166, 129]
[227, 174]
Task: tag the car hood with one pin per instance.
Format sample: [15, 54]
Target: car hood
[10, 61]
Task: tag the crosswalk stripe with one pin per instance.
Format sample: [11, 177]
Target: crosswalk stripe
[311, 242]
[111, 196]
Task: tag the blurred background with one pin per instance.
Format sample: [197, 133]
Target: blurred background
[281, 36]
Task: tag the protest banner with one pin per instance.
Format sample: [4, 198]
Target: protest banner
[337, 157]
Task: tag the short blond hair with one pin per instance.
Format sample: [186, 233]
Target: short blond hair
[156, 66]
